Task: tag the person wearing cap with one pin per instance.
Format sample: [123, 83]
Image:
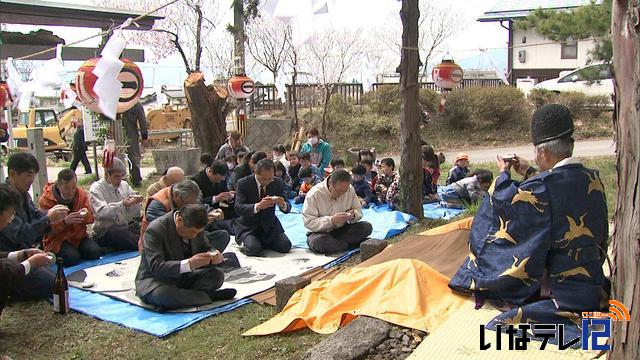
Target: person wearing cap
[539, 245]
[460, 169]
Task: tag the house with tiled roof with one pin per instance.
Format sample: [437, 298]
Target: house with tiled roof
[531, 55]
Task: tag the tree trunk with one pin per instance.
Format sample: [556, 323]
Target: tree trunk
[411, 165]
[294, 98]
[328, 91]
[625, 30]
[209, 108]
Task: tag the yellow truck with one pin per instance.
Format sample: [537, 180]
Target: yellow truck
[52, 131]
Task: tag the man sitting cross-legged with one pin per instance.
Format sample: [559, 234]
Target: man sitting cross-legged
[173, 175]
[177, 268]
[212, 182]
[332, 213]
[16, 266]
[114, 206]
[258, 227]
[174, 197]
[68, 239]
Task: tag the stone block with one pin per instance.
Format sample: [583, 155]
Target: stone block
[187, 159]
[352, 341]
[285, 288]
[370, 248]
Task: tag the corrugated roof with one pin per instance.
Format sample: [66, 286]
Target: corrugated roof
[518, 9]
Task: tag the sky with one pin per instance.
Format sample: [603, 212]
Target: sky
[364, 14]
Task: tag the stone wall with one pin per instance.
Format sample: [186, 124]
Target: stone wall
[263, 133]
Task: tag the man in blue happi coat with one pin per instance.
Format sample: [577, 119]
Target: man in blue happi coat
[538, 246]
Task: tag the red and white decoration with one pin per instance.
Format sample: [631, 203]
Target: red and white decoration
[447, 74]
[241, 86]
[128, 93]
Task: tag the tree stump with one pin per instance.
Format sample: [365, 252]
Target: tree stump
[209, 108]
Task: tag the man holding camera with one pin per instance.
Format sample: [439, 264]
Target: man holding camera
[540, 244]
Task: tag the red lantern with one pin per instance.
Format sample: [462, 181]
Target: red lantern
[130, 76]
[447, 74]
[5, 95]
[240, 86]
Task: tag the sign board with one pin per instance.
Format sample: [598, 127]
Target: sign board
[91, 124]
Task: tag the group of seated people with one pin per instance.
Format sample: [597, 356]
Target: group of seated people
[546, 236]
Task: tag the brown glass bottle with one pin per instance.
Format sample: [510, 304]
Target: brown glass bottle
[60, 291]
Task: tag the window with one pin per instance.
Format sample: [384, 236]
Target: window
[569, 49]
[590, 73]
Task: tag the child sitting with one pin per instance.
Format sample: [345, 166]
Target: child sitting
[305, 162]
[280, 154]
[232, 162]
[371, 175]
[307, 179]
[282, 173]
[361, 186]
[294, 168]
[388, 176]
[460, 170]
[336, 164]
[429, 190]
[205, 160]
[467, 190]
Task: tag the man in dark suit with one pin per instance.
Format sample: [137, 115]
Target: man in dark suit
[16, 266]
[177, 268]
[212, 183]
[258, 227]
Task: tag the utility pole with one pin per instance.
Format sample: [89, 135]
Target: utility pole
[238, 56]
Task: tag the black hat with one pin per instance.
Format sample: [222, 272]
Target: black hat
[550, 122]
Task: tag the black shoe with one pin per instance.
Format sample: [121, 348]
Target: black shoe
[223, 294]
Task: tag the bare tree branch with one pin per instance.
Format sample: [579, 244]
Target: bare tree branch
[176, 43]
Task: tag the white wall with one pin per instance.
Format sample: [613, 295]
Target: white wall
[545, 56]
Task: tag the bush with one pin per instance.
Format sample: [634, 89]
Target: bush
[541, 97]
[499, 107]
[457, 111]
[577, 102]
[486, 108]
[384, 101]
[429, 100]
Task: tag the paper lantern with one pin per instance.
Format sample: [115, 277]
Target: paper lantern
[447, 74]
[130, 76]
[241, 86]
[5, 95]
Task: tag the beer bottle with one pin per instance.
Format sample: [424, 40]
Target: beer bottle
[60, 291]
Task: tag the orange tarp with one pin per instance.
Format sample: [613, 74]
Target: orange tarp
[405, 292]
[464, 224]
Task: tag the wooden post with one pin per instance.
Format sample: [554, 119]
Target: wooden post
[35, 144]
[118, 137]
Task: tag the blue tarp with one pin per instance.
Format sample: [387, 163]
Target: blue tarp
[386, 223]
[134, 317]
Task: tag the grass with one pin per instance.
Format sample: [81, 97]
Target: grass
[32, 330]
